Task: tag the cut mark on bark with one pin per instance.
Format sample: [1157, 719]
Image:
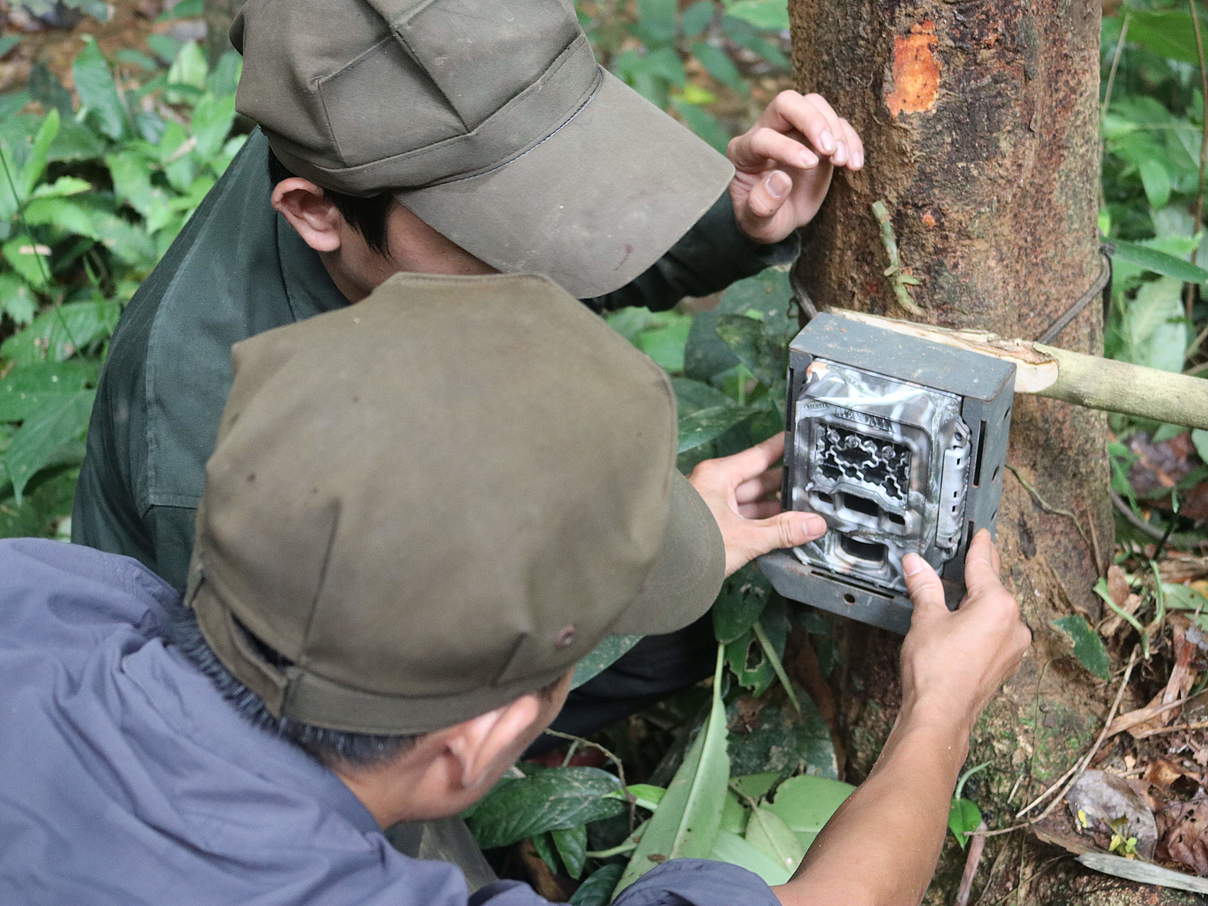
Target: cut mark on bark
[916, 71]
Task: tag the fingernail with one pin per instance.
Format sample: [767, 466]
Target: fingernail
[779, 184]
[827, 141]
[806, 160]
[840, 156]
[814, 525]
[858, 160]
[912, 564]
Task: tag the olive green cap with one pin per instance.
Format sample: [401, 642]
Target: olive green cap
[491, 121]
[438, 499]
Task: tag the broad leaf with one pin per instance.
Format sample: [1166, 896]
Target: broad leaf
[755, 786]
[688, 819]
[51, 436]
[59, 332]
[35, 163]
[1088, 647]
[963, 818]
[806, 803]
[547, 799]
[26, 390]
[1158, 262]
[1153, 325]
[602, 657]
[571, 843]
[765, 14]
[734, 850]
[29, 258]
[769, 833]
[743, 598]
[765, 356]
[97, 90]
[597, 889]
[703, 426]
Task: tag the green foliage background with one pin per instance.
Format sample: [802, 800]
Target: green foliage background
[95, 184]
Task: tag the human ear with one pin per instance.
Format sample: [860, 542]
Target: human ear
[482, 747]
[310, 212]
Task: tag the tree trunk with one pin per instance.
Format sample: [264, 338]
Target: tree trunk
[218, 15]
[980, 125]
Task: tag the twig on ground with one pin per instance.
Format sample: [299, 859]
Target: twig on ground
[1158, 731]
[976, 846]
[899, 281]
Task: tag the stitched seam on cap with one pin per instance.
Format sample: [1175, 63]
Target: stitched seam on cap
[562, 59]
[303, 660]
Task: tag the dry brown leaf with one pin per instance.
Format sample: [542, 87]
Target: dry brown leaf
[1183, 834]
[1136, 722]
[1163, 772]
[1117, 585]
[1112, 624]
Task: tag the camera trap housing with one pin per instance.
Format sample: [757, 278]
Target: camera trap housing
[899, 443]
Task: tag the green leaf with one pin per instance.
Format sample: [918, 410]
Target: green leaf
[719, 65]
[35, 163]
[1088, 647]
[43, 508]
[76, 142]
[783, 740]
[58, 333]
[7, 43]
[645, 795]
[769, 15]
[734, 850]
[1156, 180]
[1153, 325]
[132, 182]
[656, 23]
[188, 70]
[597, 889]
[765, 356]
[47, 90]
[544, 844]
[702, 122]
[212, 120]
[1158, 262]
[691, 395]
[50, 436]
[17, 301]
[571, 843]
[733, 814]
[1168, 33]
[705, 425]
[806, 803]
[963, 818]
[688, 819]
[665, 344]
[63, 187]
[64, 214]
[547, 799]
[696, 18]
[755, 786]
[97, 90]
[602, 657]
[750, 666]
[768, 833]
[29, 259]
[1183, 597]
[26, 390]
[742, 599]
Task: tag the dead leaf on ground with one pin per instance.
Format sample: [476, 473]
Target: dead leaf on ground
[1163, 772]
[1159, 467]
[1137, 721]
[1181, 566]
[1183, 827]
[1098, 800]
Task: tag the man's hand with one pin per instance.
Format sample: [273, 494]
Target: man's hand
[953, 661]
[784, 164]
[741, 492]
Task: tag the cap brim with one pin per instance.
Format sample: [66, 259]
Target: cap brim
[593, 205]
[687, 574]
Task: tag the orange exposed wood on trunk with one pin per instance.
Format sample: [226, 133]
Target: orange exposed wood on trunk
[916, 71]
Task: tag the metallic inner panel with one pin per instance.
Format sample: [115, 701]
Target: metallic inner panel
[886, 462]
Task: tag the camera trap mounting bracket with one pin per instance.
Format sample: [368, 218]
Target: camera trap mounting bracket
[899, 443]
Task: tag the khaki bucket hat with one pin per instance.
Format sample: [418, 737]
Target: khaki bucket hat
[426, 504]
[491, 121]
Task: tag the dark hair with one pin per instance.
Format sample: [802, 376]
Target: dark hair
[329, 747]
[366, 215]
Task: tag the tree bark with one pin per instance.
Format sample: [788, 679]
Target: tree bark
[980, 124]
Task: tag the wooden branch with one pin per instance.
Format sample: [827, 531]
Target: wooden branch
[1074, 377]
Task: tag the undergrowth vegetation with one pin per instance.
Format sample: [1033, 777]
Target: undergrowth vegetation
[96, 182]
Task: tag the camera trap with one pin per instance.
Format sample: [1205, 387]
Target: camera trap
[899, 443]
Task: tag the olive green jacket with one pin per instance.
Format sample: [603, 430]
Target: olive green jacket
[238, 269]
